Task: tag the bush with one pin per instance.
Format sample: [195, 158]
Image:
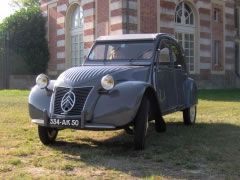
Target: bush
[27, 38]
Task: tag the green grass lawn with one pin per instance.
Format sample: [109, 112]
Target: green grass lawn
[210, 149]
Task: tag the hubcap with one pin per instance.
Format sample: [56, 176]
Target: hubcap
[192, 113]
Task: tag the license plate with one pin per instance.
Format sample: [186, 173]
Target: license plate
[71, 123]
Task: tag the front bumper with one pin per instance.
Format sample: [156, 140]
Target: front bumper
[113, 110]
[83, 125]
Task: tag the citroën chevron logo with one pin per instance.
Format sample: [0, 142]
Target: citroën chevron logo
[68, 101]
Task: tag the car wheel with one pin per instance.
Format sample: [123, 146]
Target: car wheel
[160, 125]
[47, 135]
[141, 124]
[189, 115]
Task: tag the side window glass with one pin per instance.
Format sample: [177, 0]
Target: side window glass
[174, 55]
[177, 57]
[98, 52]
[164, 55]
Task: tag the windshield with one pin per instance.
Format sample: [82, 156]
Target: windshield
[111, 51]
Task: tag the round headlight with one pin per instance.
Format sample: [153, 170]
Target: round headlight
[42, 81]
[107, 82]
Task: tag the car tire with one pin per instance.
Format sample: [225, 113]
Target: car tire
[189, 115]
[141, 124]
[47, 135]
[160, 125]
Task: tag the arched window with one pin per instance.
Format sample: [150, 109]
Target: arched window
[185, 32]
[184, 14]
[76, 32]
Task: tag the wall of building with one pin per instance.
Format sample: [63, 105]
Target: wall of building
[109, 17]
[58, 14]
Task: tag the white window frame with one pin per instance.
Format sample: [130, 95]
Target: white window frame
[216, 15]
[188, 55]
[237, 20]
[216, 51]
[180, 9]
[189, 29]
[77, 32]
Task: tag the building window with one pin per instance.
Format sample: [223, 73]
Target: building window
[77, 43]
[187, 42]
[185, 32]
[184, 14]
[236, 20]
[216, 53]
[216, 15]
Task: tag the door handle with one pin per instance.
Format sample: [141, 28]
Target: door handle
[178, 66]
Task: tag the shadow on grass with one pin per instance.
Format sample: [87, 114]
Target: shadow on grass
[231, 95]
[182, 152]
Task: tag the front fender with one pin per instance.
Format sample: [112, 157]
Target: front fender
[39, 100]
[120, 105]
[190, 91]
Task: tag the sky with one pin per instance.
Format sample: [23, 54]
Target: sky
[5, 9]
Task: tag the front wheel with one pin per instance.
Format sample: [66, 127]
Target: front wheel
[189, 115]
[141, 124]
[47, 135]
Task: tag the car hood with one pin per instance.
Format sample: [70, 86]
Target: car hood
[90, 75]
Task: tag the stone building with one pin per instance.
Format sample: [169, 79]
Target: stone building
[207, 29]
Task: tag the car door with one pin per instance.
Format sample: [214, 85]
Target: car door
[165, 77]
[179, 70]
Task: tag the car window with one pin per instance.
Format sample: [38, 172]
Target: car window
[164, 53]
[177, 56]
[98, 52]
[113, 51]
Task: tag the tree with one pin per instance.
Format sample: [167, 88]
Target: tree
[28, 37]
[24, 3]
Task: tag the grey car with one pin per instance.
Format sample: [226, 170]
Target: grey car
[125, 82]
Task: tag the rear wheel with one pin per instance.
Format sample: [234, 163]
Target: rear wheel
[47, 135]
[189, 115]
[160, 125]
[141, 124]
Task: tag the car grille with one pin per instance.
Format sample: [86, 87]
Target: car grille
[81, 95]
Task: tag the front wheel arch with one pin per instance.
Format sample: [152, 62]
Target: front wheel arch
[154, 104]
[154, 107]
